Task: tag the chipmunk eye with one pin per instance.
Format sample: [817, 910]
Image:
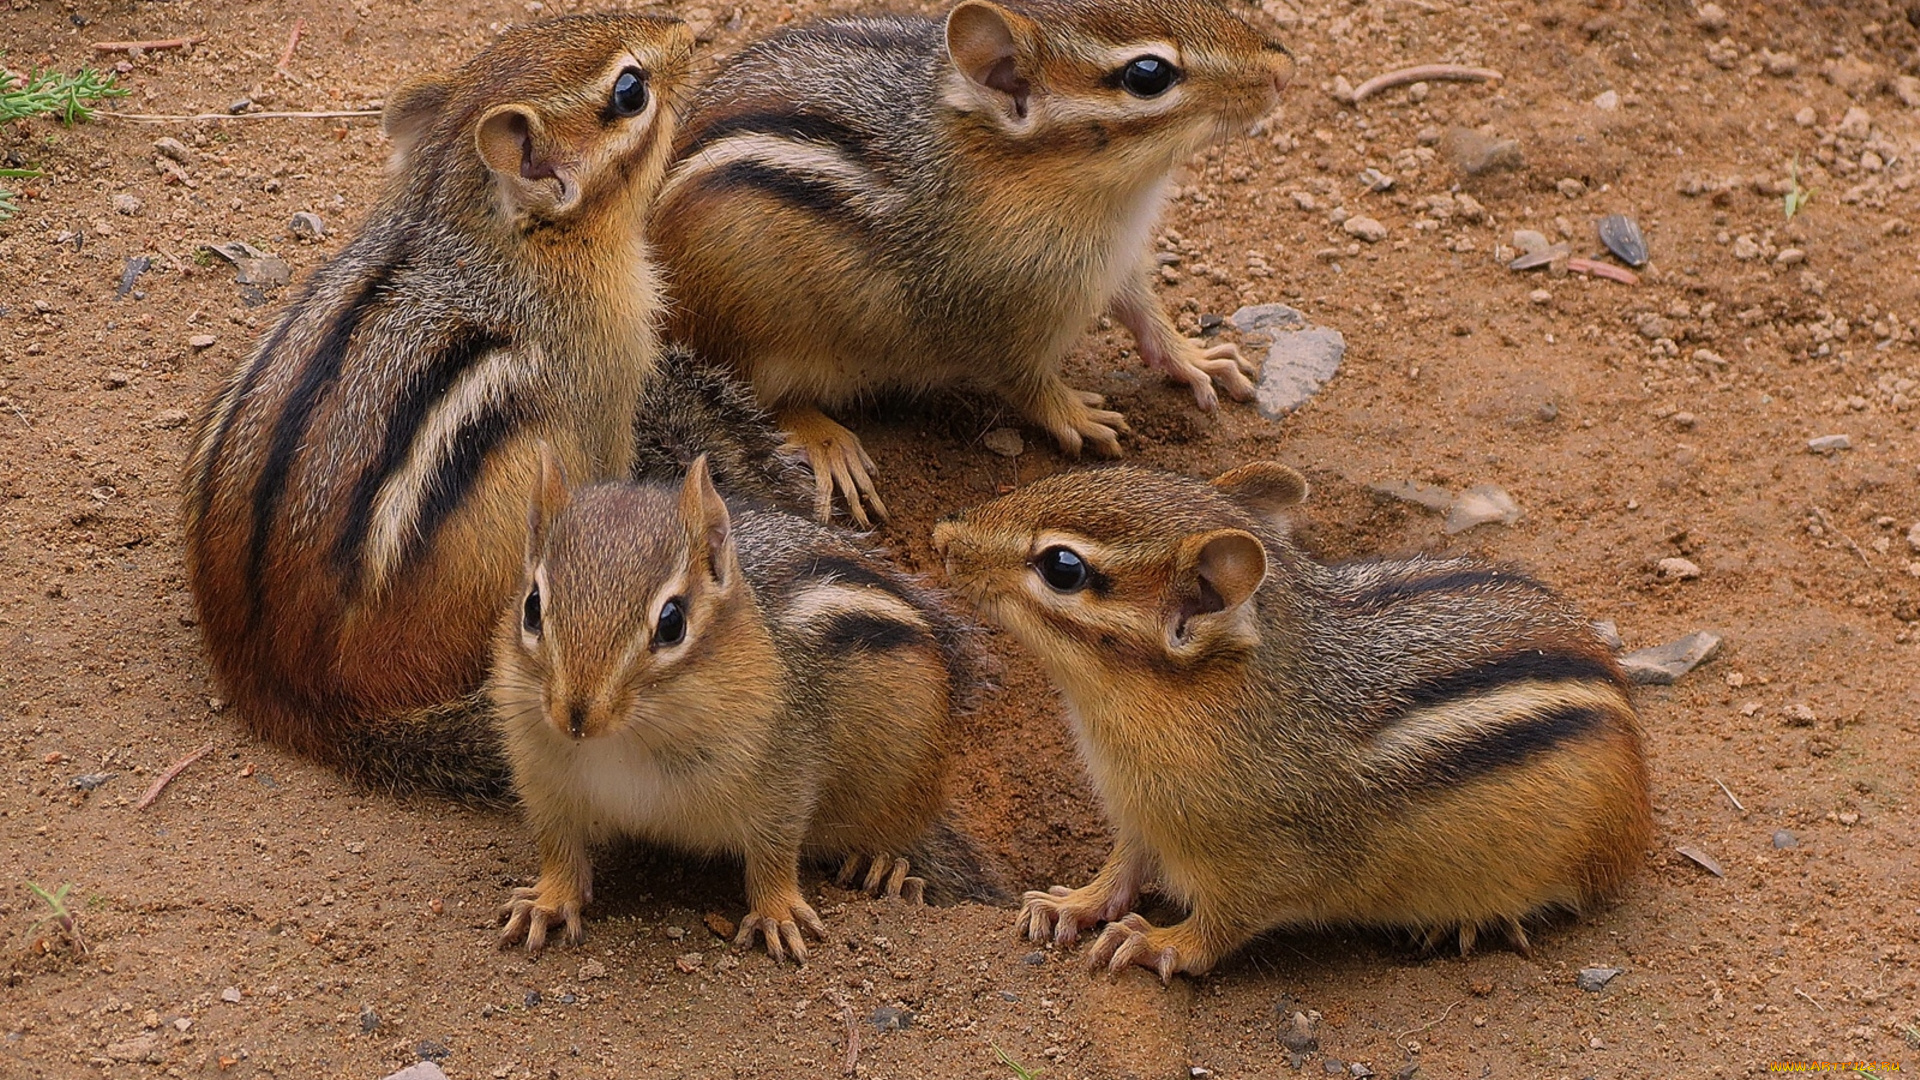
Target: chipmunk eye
[530, 611]
[630, 92]
[1062, 569]
[671, 627]
[1148, 76]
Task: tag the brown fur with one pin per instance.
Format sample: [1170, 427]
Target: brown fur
[934, 206]
[802, 710]
[355, 498]
[1434, 745]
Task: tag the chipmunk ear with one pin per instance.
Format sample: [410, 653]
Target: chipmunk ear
[1220, 571]
[411, 111]
[513, 142]
[709, 526]
[1264, 487]
[550, 497]
[985, 40]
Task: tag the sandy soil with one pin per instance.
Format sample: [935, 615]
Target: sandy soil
[263, 918]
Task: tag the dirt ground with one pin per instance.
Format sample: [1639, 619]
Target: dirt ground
[263, 918]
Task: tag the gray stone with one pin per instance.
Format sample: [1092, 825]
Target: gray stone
[1595, 979]
[128, 204]
[1298, 1034]
[1662, 665]
[1483, 504]
[307, 225]
[1005, 441]
[173, 149]
[1298, 362]
[419, 1070]
[1829, 444]
[1784, 838]
[888, 1018]
[1530, 241]
[1364, 228]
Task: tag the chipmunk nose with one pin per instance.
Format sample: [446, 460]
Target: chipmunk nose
[577, 719]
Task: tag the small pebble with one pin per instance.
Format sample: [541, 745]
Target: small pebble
[1005, 441]
[307, 226]
[173, 149]
[888, 1018]
[124, 203]
[1662, 665]
[1790, 257]
[1540, 296]
[1376, 181]
[168, 419]
[1784, 838]
[688, 963]
[1530, 241]
[1675, 568]
[1364, 228]
[202, 341]
[1595, 979]
[90, 781]
[114, 380]
[231, 995]
[369, 1021]
[1034, 958]
[1474, 153]
[1571, 187]
[1710, 17]
[239, 106]
[1684, 420]
[1913, 538]
[431, 1050]
[1607, 101]
[1298, 1034]
[532, 1000]
[592, 969]
[1829, 444]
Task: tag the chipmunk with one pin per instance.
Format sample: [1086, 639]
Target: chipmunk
[894, 204]
[354, 501]
[729, 681]
[1437, 745]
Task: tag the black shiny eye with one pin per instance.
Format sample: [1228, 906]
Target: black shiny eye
[630, 92]
[671, 627]
[1062, 570]
[1148, 76]
[530, 611]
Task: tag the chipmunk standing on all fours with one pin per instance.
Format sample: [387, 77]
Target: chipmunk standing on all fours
[891, 204]
[1434, 745]
[356, 494]
[727, 681]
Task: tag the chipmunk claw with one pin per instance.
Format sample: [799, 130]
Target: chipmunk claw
[784, 933]
[886, 877]
[839, 463]
[529, 913]
[1130, 941]
[1054, 915]
[1198, 368]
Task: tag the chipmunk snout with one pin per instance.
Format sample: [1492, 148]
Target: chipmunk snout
[577, 719]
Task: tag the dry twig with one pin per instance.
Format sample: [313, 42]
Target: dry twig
[1423, 73]
[1595, 268]
[293, 39]
[1730, 798]
[147, 46]
[1835, 530]
[165, 778]
[1431, 1023]
[176, 118]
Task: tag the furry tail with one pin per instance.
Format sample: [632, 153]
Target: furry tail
[452, 750]
[955, 868]
[690, 407]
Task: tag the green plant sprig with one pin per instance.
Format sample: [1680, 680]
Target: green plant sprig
[54, 93]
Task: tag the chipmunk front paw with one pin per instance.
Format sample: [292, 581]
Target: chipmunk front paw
[1061, 913]
[839, 463]
[530, 913]
[1198, 368]
[1133, 940]
[886, 877]
[1077, 421]
[781, 927]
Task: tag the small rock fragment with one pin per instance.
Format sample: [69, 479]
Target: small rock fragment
[1481, 505]
[1376, 181]
[1705, 861]
[1829, 444]
[888, 1018]
[1529, 241]
[1907, 89]
[1653, 327]
[173, 149]
[1779, 65]
[1799, 714]
[1784, 838]
[130, 272]
[1710, 17]
[307, 225]
[1662, 665]
[1364, 228]
[1540, 296]
[1675, 568]
[1036, 958]
[1572, 187]
[1792, 256]
[721, 926]
[1607, 101]
[168, 419]
[202, 341]
[139, 1048]
[1746, 248]
[90, 781]
[1298, 362]
[1549, 257]
[1856, 124]
[1299, 1034]
[688, 963]
[128, 204]
[1622, 236]
[591, 970]
[419, 1070]
[1004, 441]
[1913, 538]
[1595, 979]
[1474, 153]
[231, 995]
[369, 1021]
[1806, 117]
